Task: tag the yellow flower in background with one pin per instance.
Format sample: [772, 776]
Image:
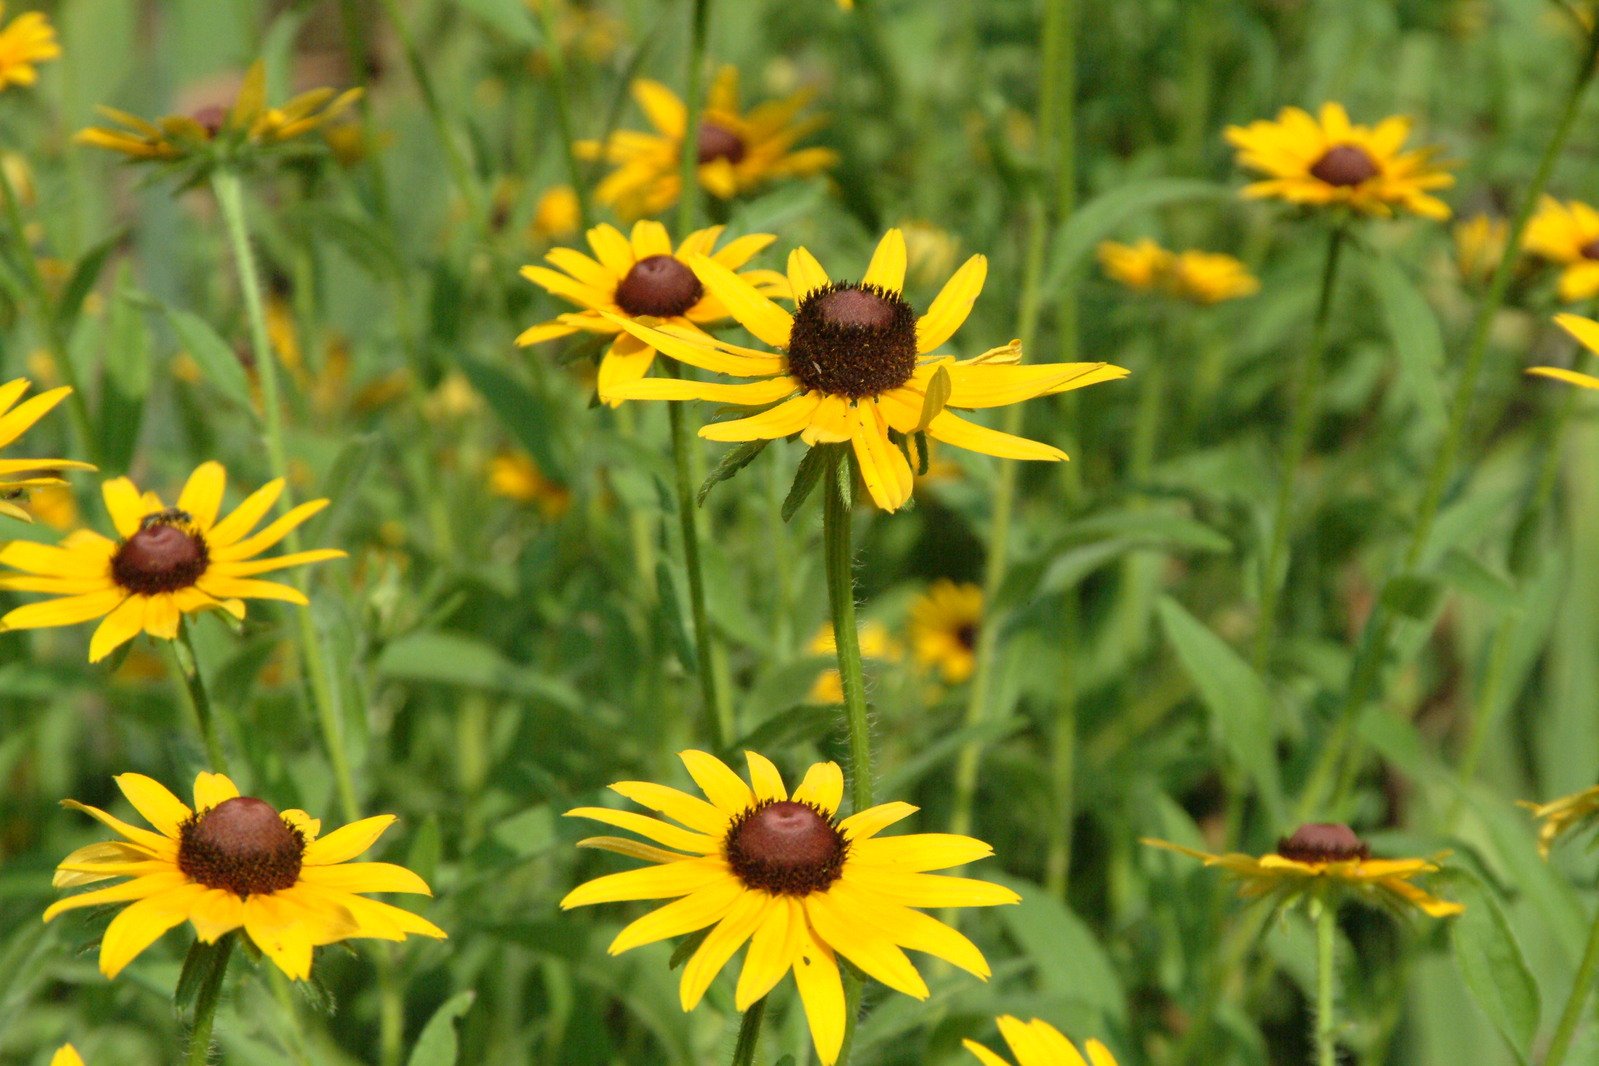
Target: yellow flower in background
[25, 41]
[1323, 857]
[644, 279]
[931, 251]
[1568, 235]
[234, 862]
[18, 476]
[737, 150]
[856, 362]
[1037, 1043]
[66, 1056]
[250, 121]
[784, 873]
[1211, 278]
[1142, 266]
[1586, 330]
[165, 562]
[1562, 815]
[876, 643]
[1479, 246]
[515, 476]
[945, 623]
[1330, 161]
[556, 215]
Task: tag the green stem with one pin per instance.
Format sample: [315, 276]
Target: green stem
[1302, 423]
[1326, 1000]
[689, 197]
[749, 1034]
[716, 708]
[563, 110]
[205, 1006]
[284, 994]
[187, 665]
[1576, 1003]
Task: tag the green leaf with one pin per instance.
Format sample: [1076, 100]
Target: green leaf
[1103, 215]
[457, 659]
[1492, 965]
[84, 275]
[127, 381]
[219, 363]
[805, 479]
[1238, 701]
[1412, 596]
[733, 461]
[939, 386]
[1468, 575]
[439, 1044]
[1065, 954]
[1418, 341]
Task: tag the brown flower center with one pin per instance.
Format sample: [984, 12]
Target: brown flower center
[966, 635]
[1344, 164]
[852, 340]
[719, 142]
[658, 285]
[211, 118]
[1323, 842]
[242, 845]
[785, 848]
[1590, 250]
[165, 555]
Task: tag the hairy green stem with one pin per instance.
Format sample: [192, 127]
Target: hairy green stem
[205, 1006]
[187, 665]
[1581, 986]
[1326, 985]
[749, 1034]
[1301, 425]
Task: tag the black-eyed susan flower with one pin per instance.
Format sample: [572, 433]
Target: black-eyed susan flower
[856, 363]
[18, 476]
[1037, 1043]
[945, 622]
[1567, 234]
[1192, 275]
[1320, 859]
[1562, 815]
[66, 1055]
[25, 42]
[642, 278]
[235, 862]
[786, 874]
[515, 476]
[218, 135]
[165, 562]
[1586, 330]
[876, 643]
[556, 214]
[1479, 246]
[737, 150]
[1327, 160]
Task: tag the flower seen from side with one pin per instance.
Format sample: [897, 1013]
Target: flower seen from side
[25, 42]
[1479, 246]
[1586, 331]
[235, 862]
[19, 476]
[785, 874]
[1561, 816]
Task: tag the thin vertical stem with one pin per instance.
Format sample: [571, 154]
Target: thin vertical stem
[749, 1034]
[187, 665]
[1581, 986]
[716, 707]
[563, 110]
[689, 196]
[1326, 985]
[1301, 425]
[205, 1006]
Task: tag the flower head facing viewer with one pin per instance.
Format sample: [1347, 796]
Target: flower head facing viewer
[18, 476]
[1586, 331]
[165, 562]
[643, 278]
[1325, 160]
[1037, 1043]
[1567, 235]
[781, 871]
[855, 362]
[235, 862]
[736, 150]
[1563, 815]
[25, 42]
[1322, 859]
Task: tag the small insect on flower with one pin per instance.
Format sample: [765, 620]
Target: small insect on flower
[1037, 1043]
[18, 476]
[737, 151]
[855, 363]
[25, 41]
[786, 874]
[1324, 859]
[1328, 161]
[1567, 235]
[165, 562]
[1586, 330]
[235, 862]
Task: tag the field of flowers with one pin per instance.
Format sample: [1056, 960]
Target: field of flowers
[541, 532]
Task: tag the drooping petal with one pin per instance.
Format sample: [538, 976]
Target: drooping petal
[749, 910]
[822, 994]
[952, 429]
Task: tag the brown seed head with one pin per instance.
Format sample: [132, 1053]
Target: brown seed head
[719, 142]
[165, 554]
[1344, 164]
[852, 340]
[1323, 842]
[242, 845]
[658, 285]
[786, 848]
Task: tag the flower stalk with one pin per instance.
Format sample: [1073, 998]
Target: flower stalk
[187, 666]
[1326, 918]
[749, 1034]
[205, 1005]
[1581, 987]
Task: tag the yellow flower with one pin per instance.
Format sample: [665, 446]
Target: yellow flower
[1562, 815]
[234, 862]
[1568, 235]
[1332, 161]
[738, 151]
[556, 214]
[786, 874]
[644, 279]
[944, 627]
[165, 562]
[249, 122]
[930, 251]
[27, 39]
[516, 476]
[1211, 278]
[17, 476]
[1037, 1043]
[67, 1055]
[1320, 858]
[1586, 330]
[1479, 245]
[876, 643]
[1142, 267]
[856, 362]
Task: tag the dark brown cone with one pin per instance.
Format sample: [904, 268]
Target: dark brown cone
[719, 142]
[1323, 842]
[1343, 165]
[852, 340]
[242, 845]
[1590, 250]
[658, 285]
[163, 556]
[786, 848]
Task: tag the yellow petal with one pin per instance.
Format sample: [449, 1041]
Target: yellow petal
[765, 778]
[346, 842]
[211, 789]
[823, 787]
[154, 802]
[805, 274]
[202, 494]
[652, 882]
[721, 785]
[142, 924]
[749, 910]
[753, 311]
[690, 914]
[952, 429]
[651, 829]
[365, 877]
[952, 304]
[887, 268]
[822, 995]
